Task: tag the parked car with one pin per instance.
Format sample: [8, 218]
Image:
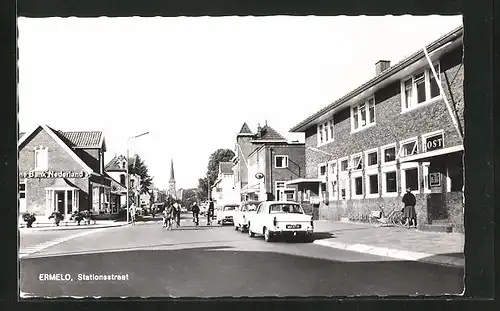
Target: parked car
[226, 214]
[243, 213]
[275, 218]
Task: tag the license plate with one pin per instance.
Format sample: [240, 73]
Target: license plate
[293, 226]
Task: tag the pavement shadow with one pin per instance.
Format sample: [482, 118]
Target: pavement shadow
[322, 235]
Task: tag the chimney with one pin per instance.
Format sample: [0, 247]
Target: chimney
[381, 66]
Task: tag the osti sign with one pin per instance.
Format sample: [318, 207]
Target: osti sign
[52, 174]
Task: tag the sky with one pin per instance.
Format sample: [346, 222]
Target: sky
[191, 82]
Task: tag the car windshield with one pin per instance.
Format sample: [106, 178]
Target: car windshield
[249, 208]
[230, 207]
[286, 208]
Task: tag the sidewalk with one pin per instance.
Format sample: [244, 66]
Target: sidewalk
[394, 242]
[70, 225]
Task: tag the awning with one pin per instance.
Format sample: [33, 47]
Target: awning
[426, 155]
[304, 181]
[251, 189]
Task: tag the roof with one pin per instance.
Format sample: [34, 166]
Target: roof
[245, 129]
[226, 168]
[449, 37]
[84, 139]
[269, 134]
[114, 164]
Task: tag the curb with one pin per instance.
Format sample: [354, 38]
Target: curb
[395, 253]
[64, 228]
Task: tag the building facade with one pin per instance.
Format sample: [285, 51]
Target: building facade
[62, 171]
[263, 162]
[116, 168]
[222, 189]
[403, 128]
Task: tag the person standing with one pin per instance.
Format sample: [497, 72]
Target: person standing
[409, 212]
[210, 212]
[167, 217]
[177, 209]
[132, 213]
[196, 212]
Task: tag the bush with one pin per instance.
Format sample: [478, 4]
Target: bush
[85, 215]
[57, 217]
[29, 218]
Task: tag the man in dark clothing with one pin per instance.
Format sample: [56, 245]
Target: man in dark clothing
[196, 212]
[409, 212]
[210, 212]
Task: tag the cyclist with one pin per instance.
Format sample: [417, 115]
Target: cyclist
[196, 212]
[210, 213]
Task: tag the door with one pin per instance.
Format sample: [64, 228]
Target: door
[60, 201]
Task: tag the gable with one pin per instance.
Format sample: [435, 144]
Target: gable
[60, 157]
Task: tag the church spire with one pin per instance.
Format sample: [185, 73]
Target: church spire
[172, 176]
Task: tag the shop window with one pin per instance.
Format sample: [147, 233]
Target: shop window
[363, 115]
[281, 161]
[371, 158]
[408, 148]
[389, 154]
[419, 89]
[41, 159]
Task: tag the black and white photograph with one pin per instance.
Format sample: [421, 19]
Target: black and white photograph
[241, 156]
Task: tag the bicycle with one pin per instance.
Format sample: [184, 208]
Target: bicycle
[379, 218]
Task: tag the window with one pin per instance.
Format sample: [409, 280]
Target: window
[409, 177]
[122, 179]
[357, 185]
[373, 184]
[41, 159]
[408, 147]
[363, 114]
[343, 188]
[326, 132]
[70, 201]
[344, 165]
[357, 162]
[332, 180]
[389, 181]
[280, 185]
[420, 88]
[389, 154]
[22, 189]
[321, 170]
[281, 161]
[371, 158]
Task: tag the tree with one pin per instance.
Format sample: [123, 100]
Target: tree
[220, 155]
[138, 167]
[189, 197]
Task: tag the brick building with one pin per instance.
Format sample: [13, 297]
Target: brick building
[270, 156]
[394, 131]
[62, 171]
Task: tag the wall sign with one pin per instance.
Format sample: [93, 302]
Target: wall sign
[434, 142]
[435, 179]
[259, 175]
[52, 174]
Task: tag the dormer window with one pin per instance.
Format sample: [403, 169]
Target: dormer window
[420, 88]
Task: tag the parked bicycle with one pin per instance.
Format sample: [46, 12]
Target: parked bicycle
[379, 218]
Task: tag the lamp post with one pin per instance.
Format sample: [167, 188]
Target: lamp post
[128, 177]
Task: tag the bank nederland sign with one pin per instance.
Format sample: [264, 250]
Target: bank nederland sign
[53, 174]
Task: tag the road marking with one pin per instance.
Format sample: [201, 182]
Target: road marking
[25, 251]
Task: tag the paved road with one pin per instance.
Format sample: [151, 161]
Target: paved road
[220, 261]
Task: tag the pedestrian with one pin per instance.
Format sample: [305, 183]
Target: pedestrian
[210, 212]
[132, 213]
[409, 213]
[167, 217]
[177, 209]
[196, 212]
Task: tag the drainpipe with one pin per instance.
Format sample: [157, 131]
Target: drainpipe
[271, 171]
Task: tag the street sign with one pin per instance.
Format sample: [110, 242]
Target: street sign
[435, 179]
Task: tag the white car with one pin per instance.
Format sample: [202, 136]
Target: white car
[226, 214]
[274, 218]
[243, 213]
